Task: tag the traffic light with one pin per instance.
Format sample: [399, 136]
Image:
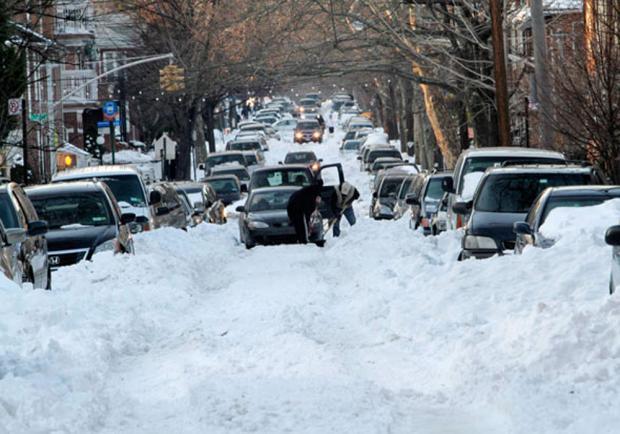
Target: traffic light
[172, 78]
[65, 160]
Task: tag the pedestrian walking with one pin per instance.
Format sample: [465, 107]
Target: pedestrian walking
[301, 205]
[321, 121]
[342, 204]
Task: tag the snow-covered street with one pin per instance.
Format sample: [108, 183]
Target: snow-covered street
[382, 331]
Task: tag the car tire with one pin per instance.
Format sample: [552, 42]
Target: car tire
[320, 243]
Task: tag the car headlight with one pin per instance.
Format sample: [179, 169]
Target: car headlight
[107, 246]
[301, 109]
[299, 135]
[316, 134]
[473, 242]
[255, 224]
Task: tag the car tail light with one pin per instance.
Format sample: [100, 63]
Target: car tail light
[459, 221]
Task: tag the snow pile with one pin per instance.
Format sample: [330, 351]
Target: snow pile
[128, 156]
[576, 222]
[377, 138]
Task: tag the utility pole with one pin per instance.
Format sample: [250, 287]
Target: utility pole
[25, 139]
[499, 67]
[540, 71]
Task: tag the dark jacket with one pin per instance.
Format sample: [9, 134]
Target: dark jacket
[303, 201]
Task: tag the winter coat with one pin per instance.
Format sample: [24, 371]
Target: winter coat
[303, 201]
[344, 196]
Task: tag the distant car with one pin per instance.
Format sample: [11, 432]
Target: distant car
[478, 160]
[240, 172]
[285, 125]
[289, 175]
[384, 162]
[401, 207]
[259, 136]
[10, 247]
[385, 197]
[300, 157]
[84, 219]
[227, 187]
[253, 159]
[191, 193]
[244, 145]
[264, 219]
[504, 196]
[220, 158]
[528, 231]
[17, 212]
[267, 120]
[267, 129]
[379, 152]
[125, 182]
[308, 131]
[351, 145]
[425, 201]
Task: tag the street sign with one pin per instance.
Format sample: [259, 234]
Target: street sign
[38, 117]
[110, 110]
[15, 106]
[106, 124]
[165, 145]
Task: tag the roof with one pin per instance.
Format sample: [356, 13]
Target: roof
[227, 167]
[276, 188]
[282, 167]
[511, 152]
[550, 168]
[218, 154]
[586, 190]
[216, 177]
[94, 172]
[64, 188]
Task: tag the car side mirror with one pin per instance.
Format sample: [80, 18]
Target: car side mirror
[240, 209]
[374, 194]
[320, 160]
[462, 208]
[359, 157]
[162, 210]
[15, 236]
[447, 185]
[154, 197]
[521, 228]
[612, 236]
[37, 228]
[127, 218]
[411, 199]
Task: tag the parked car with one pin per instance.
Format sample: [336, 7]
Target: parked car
[385, 197]
[167, 207]
[439, 220]
[259, 136]
[612, 237]
[383, 163]
[227, 187]
[191, 194]
[401, 207]
[10, 251]
[308, 130]
[426, 201]
[220, 158]
[503, 197]
[17, 213]
[528, 231]
[125, 182]
[274, 176]
[264, 219]
[215, 210]
[473, 162]
[240, 172]
[300, 157]
[244, 144]
[253, 159]
[84, 219]
[256, 126]
[379, 152]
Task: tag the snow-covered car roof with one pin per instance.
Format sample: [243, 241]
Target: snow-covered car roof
[512, 152]
[94, 171]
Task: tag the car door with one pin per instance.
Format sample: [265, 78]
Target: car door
[332, 176]
[34, 249]
[178, 219]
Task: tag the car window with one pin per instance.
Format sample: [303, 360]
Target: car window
[216, 160]
[404, 188]
[300, 157]
[276, 178]
[269, 200]
[224, 186]
[434, 190]
[126, 188]
[383, 153]
[26, 206]
[390, 186]
[515, 193]
[570, 202]
[8, 214]
[63, 211]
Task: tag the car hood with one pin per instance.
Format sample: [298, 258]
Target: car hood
[78, 238]
[273, 216]
[494, 224]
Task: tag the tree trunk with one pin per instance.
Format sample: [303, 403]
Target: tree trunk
[184, 147]
[199, 128]
[210, 108]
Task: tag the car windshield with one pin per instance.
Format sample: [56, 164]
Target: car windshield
[515, 193]
[307, 125]
[480, 164]
[349, 135]
[251, 160]
[434, 190]
[300, 157]
[7, 212]
[242, 174]
[390, 186]
[224, 186]
[279, 177]
[570, 202]
[404, 188]
[216, 160]
[383, 153]
[244, 146]
[126, 188]
[270, 200]
[75, 210]
[351, 145]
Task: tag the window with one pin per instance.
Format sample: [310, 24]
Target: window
[65, 212]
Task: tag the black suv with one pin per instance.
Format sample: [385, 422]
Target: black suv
[503, 197]
[84, 218]
[17, 212]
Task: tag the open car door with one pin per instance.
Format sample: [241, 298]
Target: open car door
[333, 177]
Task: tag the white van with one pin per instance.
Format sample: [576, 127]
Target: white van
[125, 182]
